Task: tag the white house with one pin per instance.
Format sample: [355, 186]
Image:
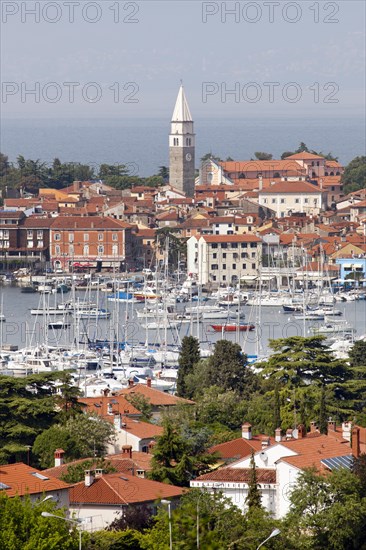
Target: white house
[223, 259]
[278, 465]
[136, 433]
[286, 198]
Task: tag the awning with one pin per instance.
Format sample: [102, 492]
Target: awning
[269, 277]
[347, 266]
[248, 277]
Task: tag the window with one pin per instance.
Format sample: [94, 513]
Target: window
[30, 244]
[236, 228]
[234, 266]
[30, 234]
[264, 201]
[244, 266]
[224, 277]
[249, 228]
[282, 201]
[244, 245]
[214, 267]
[57, 250]
[274, 201]
[86, 250]
[244, 255]
[224, 255]
[223, 266]
[253, 254]
[115, 238]
[40, 244]
[101, 249]
[100, 236]
[214, 245]
[71, 237]
[234, 245]
[214, 255]
[214, 277]
[306, 201]
[223, 245]
[115, 249]
[217, 232]
[297, 201]
[39, 233]
[253, 266]
[6, 244]
[253, 245]
[86, 236]
[57, 236]
[71, 249]
[315, 201]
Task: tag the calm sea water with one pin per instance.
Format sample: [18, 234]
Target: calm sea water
[23, 329]
[144, 143]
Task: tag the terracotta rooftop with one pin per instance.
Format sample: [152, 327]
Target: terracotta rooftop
[312, 450]
[305, 156]
[22, 479]
[142, 430]
[118, 405]
[86, 222]
[239, 475]
[238, 448]
[114, 489]
[291, 187]
[288, 164]
[157, 398]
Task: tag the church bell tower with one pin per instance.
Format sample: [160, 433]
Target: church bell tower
[182, 147]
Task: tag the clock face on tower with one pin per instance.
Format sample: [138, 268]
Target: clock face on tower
[188, 156]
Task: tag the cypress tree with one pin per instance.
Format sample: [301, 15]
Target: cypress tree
[323, 422]
[254, 497]
[277, 409]
[188, 357]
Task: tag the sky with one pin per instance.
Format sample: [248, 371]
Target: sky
[114, 59]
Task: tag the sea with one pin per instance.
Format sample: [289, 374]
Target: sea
[22, 329]
[142, 144]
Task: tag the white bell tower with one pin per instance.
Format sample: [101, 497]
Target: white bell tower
[182, 147]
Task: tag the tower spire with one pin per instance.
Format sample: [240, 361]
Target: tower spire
[181, 111]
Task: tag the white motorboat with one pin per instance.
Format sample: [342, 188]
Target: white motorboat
[94, 313]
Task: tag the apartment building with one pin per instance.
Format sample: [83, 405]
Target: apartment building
[285, 198]
[223, 259]
[90, 242]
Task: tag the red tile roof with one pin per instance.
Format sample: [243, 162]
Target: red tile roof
[239, 475]
[312, 450]
[238, 448]
[157, 398]
[22, 479]
[86, 222]
[119, 404]
[305, 156]
[114, 489]
[263, 165]
[142, 430]
[291, 187]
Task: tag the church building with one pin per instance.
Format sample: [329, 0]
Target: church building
[182, 147]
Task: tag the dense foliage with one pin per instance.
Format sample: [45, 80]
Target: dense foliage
[354, 176]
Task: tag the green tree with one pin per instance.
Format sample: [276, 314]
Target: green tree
[68, 397]
[354, 175]
[138, 518]
[188, 357]
[142, 404]
[22, 527]
[114, 540]
[327, 512]
[323, 418]
[179, 455]
[220, 523]
[254, 497]
[27, 408]
[276, 409]
[76, 472]
[263, 156]
[209, 156]
[357, 354]
[164, 173]
[81, 436]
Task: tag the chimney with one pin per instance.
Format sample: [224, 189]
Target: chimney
[127, 451]
[331, 425]
[148, 382]
[117, 421]
[151, 446]
[313, 427]
[278, 436]
[346, 430]
[265, 442]
[89, 478]
[59, 457]
[301, 431]
[355, 441]
[76, 185]
[99, 472]
[260, 180]
[288, 434]
[246, 431]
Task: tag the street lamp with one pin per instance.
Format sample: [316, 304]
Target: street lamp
[169, 504]
[274, 533]
[48, 497]
[48, 515]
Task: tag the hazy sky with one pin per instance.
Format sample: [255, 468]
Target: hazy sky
[279, 58]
